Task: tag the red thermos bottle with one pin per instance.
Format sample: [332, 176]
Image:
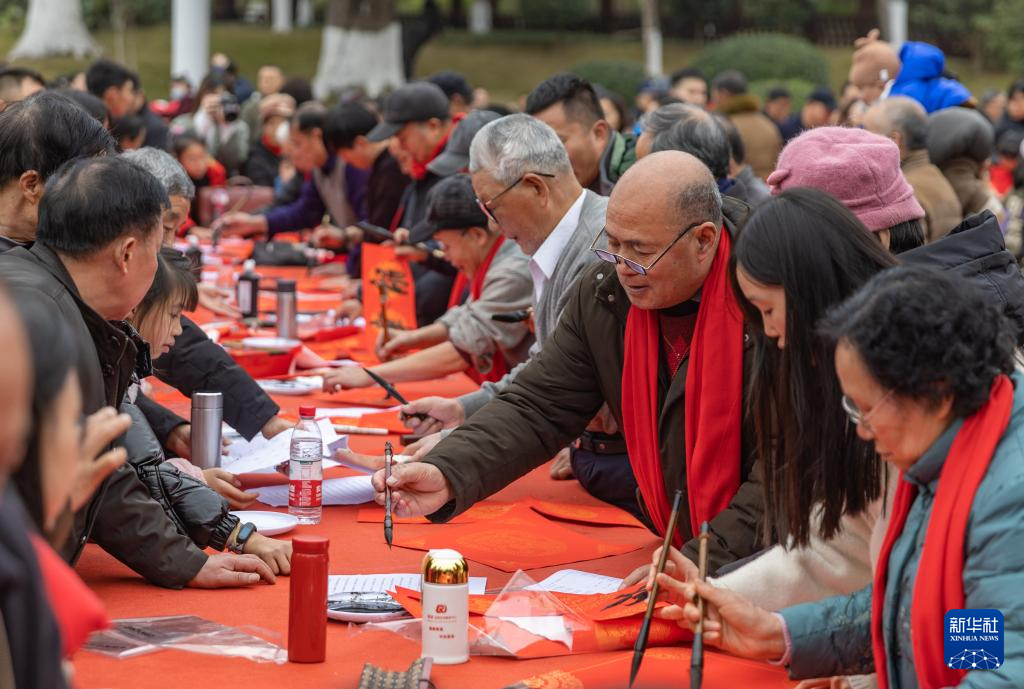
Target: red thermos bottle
[307, 600]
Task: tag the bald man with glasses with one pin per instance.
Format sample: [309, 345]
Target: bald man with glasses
[654, 332]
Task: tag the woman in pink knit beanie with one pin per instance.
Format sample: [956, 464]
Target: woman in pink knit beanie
[860, 169]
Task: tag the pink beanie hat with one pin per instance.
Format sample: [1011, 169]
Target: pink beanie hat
[859, 168]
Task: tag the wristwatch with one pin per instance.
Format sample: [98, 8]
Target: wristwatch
[244, 533]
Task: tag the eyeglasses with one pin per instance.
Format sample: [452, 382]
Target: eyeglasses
[609, 257]
[859, 418]
[486, 207]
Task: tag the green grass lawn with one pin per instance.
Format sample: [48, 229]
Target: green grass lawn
[509, 64]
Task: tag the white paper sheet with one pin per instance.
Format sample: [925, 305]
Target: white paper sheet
[550, 627]
[382, 583]
[352, 490]
[575, 581]
[260, 453]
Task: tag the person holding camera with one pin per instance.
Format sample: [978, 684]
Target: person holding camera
[215, 120]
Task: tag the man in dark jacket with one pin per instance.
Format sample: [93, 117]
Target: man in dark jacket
[417, 116]
[94, 258]
[330, 186]
[666, 219]
[345, 132]
[569, 105]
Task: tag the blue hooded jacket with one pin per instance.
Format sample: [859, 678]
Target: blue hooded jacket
[921, 78]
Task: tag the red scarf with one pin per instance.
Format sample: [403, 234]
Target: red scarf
[499, 367]
[270, 143]
[714, 401]
[78, 611]
[216, 174]
[942, 556]
[418, 170]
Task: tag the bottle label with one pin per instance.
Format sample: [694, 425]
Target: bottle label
[245, 296]
[305, 492]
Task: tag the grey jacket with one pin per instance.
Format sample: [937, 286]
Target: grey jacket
[546, 313]
[507, 287]
[833, 636]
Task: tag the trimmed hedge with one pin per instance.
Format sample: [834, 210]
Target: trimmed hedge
[555, 14]
[621, 77]
[765, 57]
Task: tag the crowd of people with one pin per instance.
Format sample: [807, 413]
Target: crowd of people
[808, 322]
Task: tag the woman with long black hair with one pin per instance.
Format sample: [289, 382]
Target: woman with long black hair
[801, 253]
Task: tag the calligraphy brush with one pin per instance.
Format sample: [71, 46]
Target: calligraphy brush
[640, 647]
[697, 654]
[389, 458]
[394, 393]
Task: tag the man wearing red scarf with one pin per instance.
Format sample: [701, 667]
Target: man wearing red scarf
[495, 274]
[416, 115]
[660, 342]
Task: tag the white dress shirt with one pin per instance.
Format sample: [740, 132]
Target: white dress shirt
[544, 260]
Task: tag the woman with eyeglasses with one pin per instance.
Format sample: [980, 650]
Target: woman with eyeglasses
[926, 365]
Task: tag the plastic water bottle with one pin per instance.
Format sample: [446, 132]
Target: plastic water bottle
[306, 469]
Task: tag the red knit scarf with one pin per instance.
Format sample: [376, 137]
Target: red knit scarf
[714, 402]
[418, 169]
[941, 588]
[499, 367]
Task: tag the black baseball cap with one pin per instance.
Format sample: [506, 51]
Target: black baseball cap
[822, 95]
[455, 157]
[451, 205]
[416, 102]
[452, 83]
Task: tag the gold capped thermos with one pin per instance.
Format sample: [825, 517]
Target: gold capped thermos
[445, 607]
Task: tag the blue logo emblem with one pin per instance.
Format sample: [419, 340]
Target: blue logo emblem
[974, 639]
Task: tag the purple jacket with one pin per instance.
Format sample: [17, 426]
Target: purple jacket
[308, 210]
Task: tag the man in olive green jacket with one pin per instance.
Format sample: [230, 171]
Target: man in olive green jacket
[580, 366]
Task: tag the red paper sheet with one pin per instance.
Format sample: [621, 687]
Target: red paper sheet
[390, 276]
[521, 540]
[604, 515]
[486, 510]
[664, 668]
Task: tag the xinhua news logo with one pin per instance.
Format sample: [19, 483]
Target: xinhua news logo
[974, 639]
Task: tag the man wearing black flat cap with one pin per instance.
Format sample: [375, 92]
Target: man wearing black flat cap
[496, 275]
[456, 88]
[416, 117]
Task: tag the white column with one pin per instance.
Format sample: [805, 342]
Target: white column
[190, 39]
[896, 11]
[304, 17]
[282, 16]
[480, 20]
[651, 35]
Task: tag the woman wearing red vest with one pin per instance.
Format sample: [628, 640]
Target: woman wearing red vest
[926, 366]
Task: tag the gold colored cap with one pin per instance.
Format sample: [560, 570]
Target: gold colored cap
[445, 566]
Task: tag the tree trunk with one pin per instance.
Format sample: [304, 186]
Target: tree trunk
[457, 13]
[652, 38]
[607, 15]
[304, 14]
[54, 28]
[361, 48]
[481, 18]
[281, 11]
[119, 22]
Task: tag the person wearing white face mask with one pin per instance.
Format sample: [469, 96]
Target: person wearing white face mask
[265, 155]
